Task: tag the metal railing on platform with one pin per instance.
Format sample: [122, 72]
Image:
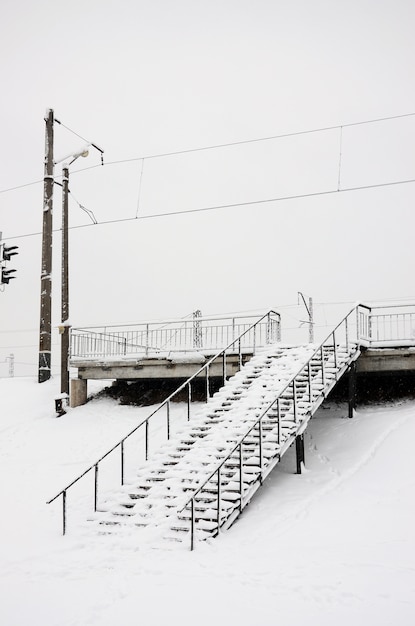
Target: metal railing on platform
[392, 323]
[207, 334]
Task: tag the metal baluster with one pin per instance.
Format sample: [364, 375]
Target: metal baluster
[192, 524]
[240, 354]
[295, 401]
[96, 487]
[279, 420]
[168, 419]
[261, 460]
[347, 333]
[240, 476]
[189, 400]
[335, 351]
[270, 329]
[207, 384]
[122, 462]
[218, 502]
[369, 323]
[64, 512]
[146, 440]
[254, 338]
[323, 373]
[233, 333]
[147, 340]
[224, 366]
[310, 389]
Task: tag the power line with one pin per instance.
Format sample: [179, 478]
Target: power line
[256, 140]
[229, 206]
[221, 145]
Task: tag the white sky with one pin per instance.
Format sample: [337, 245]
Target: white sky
[142, 78]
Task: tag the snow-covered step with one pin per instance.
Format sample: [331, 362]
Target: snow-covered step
[166, 482]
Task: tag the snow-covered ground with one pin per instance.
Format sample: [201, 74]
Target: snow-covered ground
[332, 546]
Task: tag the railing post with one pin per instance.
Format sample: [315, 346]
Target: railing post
[168, 419]
[189, 400]
[268, 339]
[279, 420]
[96, 487]
[295, 401]
[147, 339]
[261, 460]
[347, 332]
[192, 524]
[240, 476]
[218, 501]
[335, 351]
[146, 440]
[310, 389]
[122, 462]
[233, 333]
[369, 321]
[207, 384]
[224, 366]
[64, 512]
[240, 354]
[279, 328]
[323, 373]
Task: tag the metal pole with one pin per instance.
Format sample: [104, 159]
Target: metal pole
[45, 337]
[299, 450]
[352, 389]
[65, 285]
[189, 400]
[122, 462]
[64, 513]
[192, 524]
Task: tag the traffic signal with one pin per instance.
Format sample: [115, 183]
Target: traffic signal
[6, 276]
[8, 252]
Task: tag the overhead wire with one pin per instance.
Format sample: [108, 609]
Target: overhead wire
[228, 206]
[221, 145]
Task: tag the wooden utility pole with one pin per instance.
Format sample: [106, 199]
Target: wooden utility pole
[45, 335]
[64, 329]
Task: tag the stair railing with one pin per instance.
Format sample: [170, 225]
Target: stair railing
[359, 315]
[273, 320]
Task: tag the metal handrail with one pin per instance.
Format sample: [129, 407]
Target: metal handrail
[291, 382]
[165, 403]
[210, 318]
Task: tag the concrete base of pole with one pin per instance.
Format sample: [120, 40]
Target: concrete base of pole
[79, 392]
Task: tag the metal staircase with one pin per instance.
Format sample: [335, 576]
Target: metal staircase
[200, 480]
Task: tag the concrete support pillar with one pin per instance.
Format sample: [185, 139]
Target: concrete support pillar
[79, 392]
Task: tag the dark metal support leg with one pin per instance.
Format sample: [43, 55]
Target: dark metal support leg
[299, 450]
[352, 389]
